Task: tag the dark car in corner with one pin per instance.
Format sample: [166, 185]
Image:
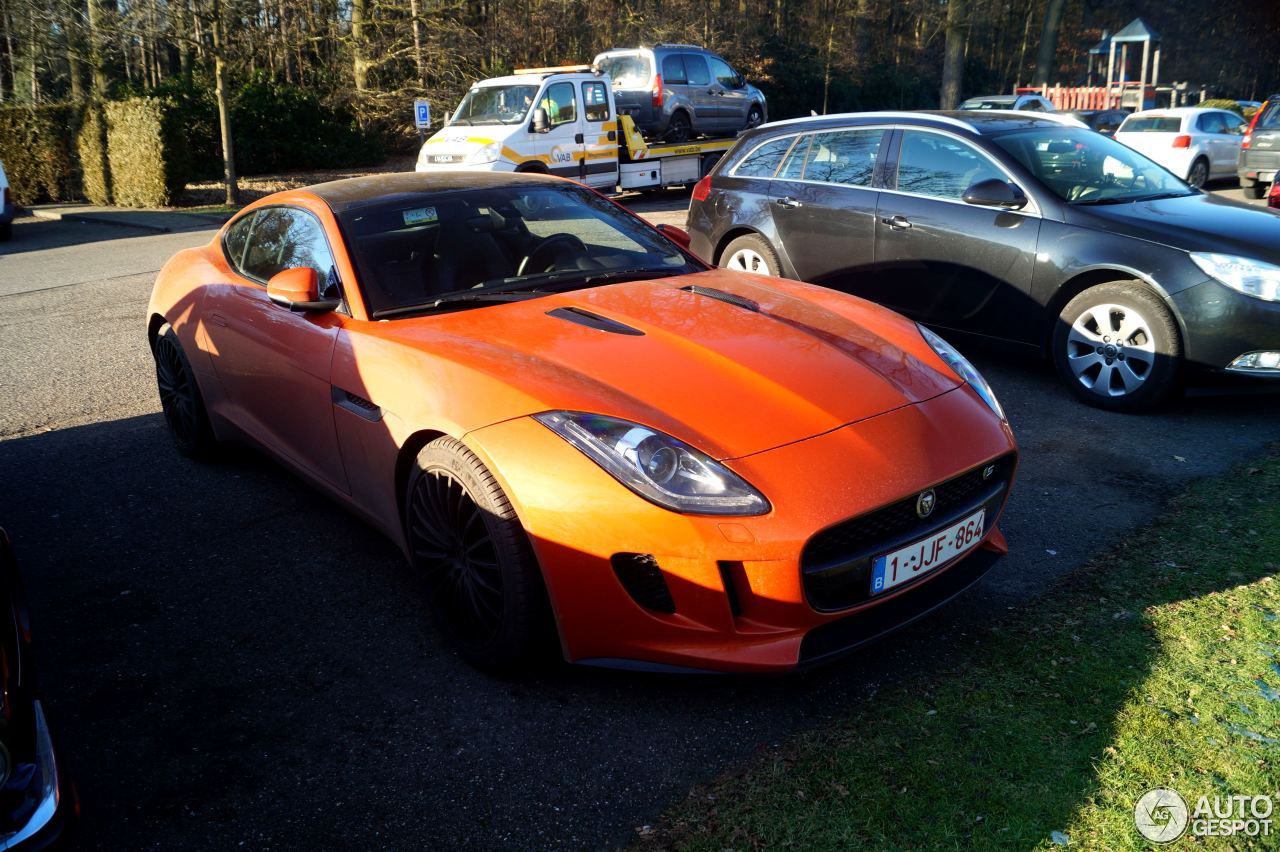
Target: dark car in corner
[1022, 228]
[35, 802]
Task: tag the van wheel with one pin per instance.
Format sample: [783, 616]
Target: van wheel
[679, 130]
[751, 253]
[755, 117]
[1116, 346]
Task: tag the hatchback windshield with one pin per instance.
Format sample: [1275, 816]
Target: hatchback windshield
[470, 247]
[495, 105]
[626, 70]
[1084, 167]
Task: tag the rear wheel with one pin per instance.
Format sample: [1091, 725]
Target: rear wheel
[679, 129]
[483, 583]
[1117, 347]
[1199, 173]
[180, 399]
[751, 253]
[1254, 189]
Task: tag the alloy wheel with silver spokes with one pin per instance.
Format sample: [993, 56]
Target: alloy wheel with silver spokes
[746, 260]
[1111, 349]
[751, 253]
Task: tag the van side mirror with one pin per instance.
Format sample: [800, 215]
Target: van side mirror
[298, 289]
[994, 192]
[540, 122]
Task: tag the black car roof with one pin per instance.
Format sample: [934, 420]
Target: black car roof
[972, 121]
[351, 193]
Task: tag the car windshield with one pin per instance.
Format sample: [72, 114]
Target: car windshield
[495, 105]
[627, 70]
[1151, 124]
[984, 103]
[1084, 167]
[412, 251]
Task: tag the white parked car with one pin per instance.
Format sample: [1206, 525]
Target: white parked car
[1195, 144]
[6, 207]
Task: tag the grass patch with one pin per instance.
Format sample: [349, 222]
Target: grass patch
[1155, 665]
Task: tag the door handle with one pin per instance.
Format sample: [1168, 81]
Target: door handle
[788, 202]
[577, 139]
[898, 223]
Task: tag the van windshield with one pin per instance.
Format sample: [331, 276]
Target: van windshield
[495, 105]
[627, 70]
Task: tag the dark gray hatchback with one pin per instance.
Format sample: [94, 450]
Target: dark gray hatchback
[1026, 228]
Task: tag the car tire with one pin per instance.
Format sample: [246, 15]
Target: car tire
[1254, 189]
[755, 117]
[1117, 347]
[751, 253]
[6, 231]
[678, 129]
[1198, 176]
[180, 398]
[483, 584]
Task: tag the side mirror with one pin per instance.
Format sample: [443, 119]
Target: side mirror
[739, 81]
[994, 192]
[540, 122]
[679, 236]
[298, 289]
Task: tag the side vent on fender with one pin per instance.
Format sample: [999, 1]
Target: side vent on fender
[729, 298]
[356, 404]
[590, 320]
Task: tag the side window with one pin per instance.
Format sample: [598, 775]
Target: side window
[1209, 123]
[1233, 124]
[793, 167]
[560, 104]
[673, 69]
[284, 238]
[845, 156]
[939, 166]
[724, 75]
[1033, 105]
[763, 161]
[595, 102]
[696, 67]
[234, 241]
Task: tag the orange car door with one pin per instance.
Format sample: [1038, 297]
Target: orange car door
[274, 364]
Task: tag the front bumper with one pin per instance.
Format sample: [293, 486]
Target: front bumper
[1222, 324]
[736, 584]
[47, 817]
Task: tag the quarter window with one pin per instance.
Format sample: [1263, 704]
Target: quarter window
[845, 156]
[286, 238]
[673, 69]
[560, 104]
[234, 241]
[595, 102]
[939, 166]
[793, 168]
[763, 161]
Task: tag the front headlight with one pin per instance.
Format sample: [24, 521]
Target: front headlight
[964, 369]
[658, 467]
[1244, 275]
[488, 154]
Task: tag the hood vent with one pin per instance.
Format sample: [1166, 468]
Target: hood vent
[730, 298]
[590, 320]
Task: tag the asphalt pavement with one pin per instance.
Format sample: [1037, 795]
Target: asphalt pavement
[230, 659]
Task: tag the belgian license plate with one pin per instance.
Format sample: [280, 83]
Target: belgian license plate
[905, 564]
[442, 158]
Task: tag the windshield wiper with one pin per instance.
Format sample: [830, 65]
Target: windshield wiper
[584, 278]
[1123, 199]
[456, 298]
[1160, 195]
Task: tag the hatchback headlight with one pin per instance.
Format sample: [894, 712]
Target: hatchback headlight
[964, 369]
[656, 466]
[1244, 275]
[488, 154]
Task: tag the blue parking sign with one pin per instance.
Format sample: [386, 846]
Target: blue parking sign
[421, 112]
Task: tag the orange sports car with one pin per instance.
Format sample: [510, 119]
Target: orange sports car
[574, 428]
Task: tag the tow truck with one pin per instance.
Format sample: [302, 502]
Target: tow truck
[562, 121]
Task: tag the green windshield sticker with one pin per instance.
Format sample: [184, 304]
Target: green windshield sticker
[420, 216]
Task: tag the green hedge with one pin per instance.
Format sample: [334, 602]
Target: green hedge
[37, 146]
[1222, 103]
[146, 152]
[91, 145]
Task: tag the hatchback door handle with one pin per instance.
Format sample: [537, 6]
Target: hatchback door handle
[788, 202]
[898, 223]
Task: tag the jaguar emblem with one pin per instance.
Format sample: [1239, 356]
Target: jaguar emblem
[925, 503]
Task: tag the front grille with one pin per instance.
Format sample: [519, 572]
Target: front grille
[836, 563]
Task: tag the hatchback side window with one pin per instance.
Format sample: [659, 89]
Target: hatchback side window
[560, 104]
[1233, 124]
[1209, 123]
[724, 75]
[673, 69]
[845, 156]
[236, 238]
[939, 166]
[696, 69]
[285, 238]
[595, 102]
[763, 161]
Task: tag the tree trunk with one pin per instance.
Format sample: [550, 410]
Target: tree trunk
[224, 111]
[359, 57]
[417, 43]
[953, 55]
[1045, 64]
[97, 62]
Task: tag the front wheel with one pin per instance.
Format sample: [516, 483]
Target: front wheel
[751, 253]
[1117, 347]
[1199, 173]
[484, 587]
[755, 117]
[180, 398]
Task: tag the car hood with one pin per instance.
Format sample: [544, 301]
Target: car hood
[1199, 222]
[731, 379]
